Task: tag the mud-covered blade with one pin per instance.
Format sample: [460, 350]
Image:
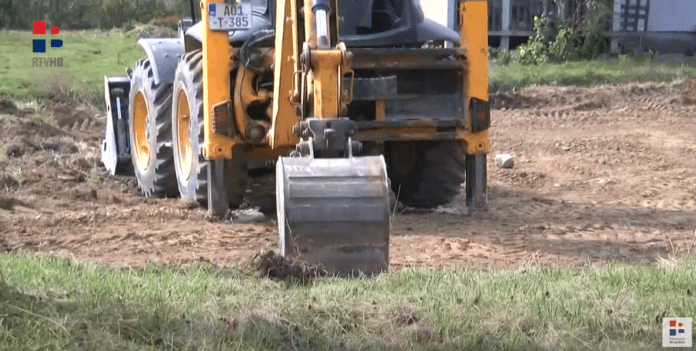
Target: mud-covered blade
[334, 211]
[109, 156]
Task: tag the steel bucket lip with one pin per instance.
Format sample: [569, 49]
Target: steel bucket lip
[350, 229]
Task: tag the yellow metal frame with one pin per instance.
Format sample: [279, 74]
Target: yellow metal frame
[327, 68]
[326, 65]
[245, 95]
[285, 89]
[216, 85]
[310, 26]
[473, 16]
[477, 143]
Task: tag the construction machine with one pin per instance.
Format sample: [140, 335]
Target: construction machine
[343, 102]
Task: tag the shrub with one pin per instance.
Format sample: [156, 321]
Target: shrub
[569, 40]
[535, 51]
[532, 53]
[504, 58]
[493, 53]
[565, 40]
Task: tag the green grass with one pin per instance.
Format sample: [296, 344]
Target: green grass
[5, 118]
[590, 73]
[87, 57]
[17, 174]
[50, 303]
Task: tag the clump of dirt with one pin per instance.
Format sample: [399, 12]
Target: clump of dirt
[10, 203]
[27, 147]
[59, 146]
[569, 99]
[688, 91]
[73, 130]
[428, 333]
[15, 151]
[52, 153]
[512, 99]
[269, 317]
[231, 324]
[404, 315]
[276, 267]
[8, 182]
[528, 178]
[9, 108]
[594, 103]
[32, 128]
[70, 116]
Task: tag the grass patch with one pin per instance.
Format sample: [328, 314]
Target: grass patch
[591, 73]
[33, 109]
[41, 118]
[87, 57]
[8, 119]
[17, 174]
[59, 303]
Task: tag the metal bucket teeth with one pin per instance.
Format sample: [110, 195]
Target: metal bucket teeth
[335, 212]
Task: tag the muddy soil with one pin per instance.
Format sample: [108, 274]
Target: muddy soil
[605, 174]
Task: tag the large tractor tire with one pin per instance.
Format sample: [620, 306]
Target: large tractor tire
[426, 174]
[187, 122]
[150, 129]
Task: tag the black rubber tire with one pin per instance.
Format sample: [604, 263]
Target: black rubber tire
[426, 174]
[193, 186]
[157, 178]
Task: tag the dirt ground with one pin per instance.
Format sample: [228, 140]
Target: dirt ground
[601, 175]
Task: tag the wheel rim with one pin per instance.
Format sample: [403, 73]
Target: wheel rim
[140, 130]
[183, 129]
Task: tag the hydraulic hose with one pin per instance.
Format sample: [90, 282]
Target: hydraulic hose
[264, 37]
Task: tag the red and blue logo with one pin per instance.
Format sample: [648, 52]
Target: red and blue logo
[39, 45]
[674, 328]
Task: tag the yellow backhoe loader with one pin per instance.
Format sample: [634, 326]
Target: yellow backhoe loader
[343, 101]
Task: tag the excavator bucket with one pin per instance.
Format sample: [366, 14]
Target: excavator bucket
[334, 211]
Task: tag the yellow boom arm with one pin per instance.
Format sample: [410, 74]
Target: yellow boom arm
[216, 88]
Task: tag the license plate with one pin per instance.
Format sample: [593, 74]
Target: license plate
[229, 16]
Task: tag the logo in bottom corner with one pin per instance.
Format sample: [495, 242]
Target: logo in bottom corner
[676, 332]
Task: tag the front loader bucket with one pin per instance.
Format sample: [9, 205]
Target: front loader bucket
[334, 212]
